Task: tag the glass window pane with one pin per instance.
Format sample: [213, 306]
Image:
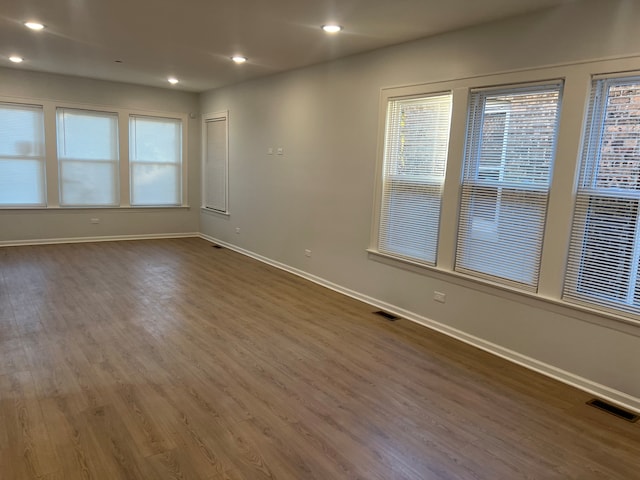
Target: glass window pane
[21, 182]
[619, 162]
[85, 135]
[155, 140]
[155, 184]
[21, 131]
[608, 248]
[88, 183]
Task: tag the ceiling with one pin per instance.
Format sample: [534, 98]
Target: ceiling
[193, 39]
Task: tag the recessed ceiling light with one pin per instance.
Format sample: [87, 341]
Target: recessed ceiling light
[331, 28]
[239, 59]
[34, 25]
[16, 59]
[172, 80]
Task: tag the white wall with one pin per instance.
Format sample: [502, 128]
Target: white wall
[319, 194]
[18, 226]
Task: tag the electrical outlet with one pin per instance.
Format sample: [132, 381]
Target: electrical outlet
[95, 221]
[439, 296]
[270, 151]
[237, 229]
[280, 151]
[307, 253]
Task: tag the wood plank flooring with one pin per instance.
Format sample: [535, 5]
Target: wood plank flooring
[170, 359]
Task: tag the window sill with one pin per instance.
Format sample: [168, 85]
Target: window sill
[214, 213]
[115, 208]
[555, 305]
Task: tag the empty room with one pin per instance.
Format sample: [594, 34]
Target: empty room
[320, 239]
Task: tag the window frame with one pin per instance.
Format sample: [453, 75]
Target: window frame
[430, 185]
[577, 79]
[180, 168]
[42, 158]
[114, 162]
[406, 93]
[504, 187]
[591, 152]
[51, 161]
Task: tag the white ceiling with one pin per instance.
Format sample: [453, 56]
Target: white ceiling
[193, 39]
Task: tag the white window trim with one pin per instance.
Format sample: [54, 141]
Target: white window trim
[219, 115]
[41, 158]
[428, 182]
[386, 95]
[577, 77]
[115, 161]
[470, 175]
[587, 176]
[183, 152]
[51, 154]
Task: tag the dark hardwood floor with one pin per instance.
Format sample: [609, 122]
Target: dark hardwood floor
[170, 359]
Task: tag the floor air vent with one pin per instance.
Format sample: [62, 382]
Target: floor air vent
[387, 315]
[613, 410]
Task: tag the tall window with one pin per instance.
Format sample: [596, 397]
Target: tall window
[88, 157]
[507, 170]
[216, 163]
[21, 155]
[415, 157]
[155, 160]
[604, 253]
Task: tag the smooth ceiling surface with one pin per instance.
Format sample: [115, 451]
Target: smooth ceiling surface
[193, 39]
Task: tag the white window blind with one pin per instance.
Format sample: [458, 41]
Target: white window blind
[216, 164]
[510, 150]
[87, 157]
[604, 252]
[415, 157]
[155, 160]
[21, 155]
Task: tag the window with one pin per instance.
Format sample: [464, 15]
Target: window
[415, 157]
[21, 155]
[88, 157]
[155, 161]
[604, 251]
[216, 164]
[510, 150]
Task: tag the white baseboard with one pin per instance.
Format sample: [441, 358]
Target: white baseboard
[110, 238]
[601, 391]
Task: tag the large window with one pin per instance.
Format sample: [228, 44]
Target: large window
[604, 255]
[216, 163]
[415, 157]
[507, 170]
[155, 161]
[87, 157]
[21, 156]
